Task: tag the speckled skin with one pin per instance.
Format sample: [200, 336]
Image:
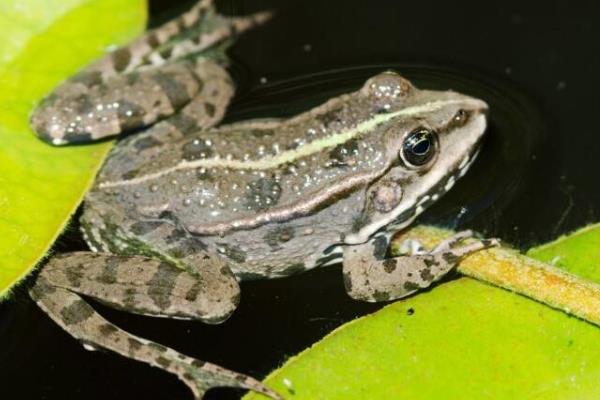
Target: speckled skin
[180, 212]
[263, 219]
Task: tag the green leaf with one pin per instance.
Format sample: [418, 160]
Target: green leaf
[461, 340]
[578, 252]
[464, 340]
[45, 41]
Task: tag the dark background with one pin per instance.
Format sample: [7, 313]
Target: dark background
[535, 63]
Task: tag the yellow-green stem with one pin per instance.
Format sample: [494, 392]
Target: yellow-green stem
[508, 269]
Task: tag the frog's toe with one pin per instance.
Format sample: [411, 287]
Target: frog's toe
[59, 120]
[200, 376]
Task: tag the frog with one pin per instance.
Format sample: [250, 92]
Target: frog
[183, 209]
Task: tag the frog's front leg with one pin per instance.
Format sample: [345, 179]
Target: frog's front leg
[369, 276]
[145, 286]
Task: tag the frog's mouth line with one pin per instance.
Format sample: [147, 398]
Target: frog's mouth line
[407, 211]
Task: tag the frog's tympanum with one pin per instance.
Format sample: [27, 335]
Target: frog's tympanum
[182, 211]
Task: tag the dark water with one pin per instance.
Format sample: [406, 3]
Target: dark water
[535, 178]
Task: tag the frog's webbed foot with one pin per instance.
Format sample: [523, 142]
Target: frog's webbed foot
[368, 277]
[150, 79]
[145, 286]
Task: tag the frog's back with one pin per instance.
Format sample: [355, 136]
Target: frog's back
[243, 175]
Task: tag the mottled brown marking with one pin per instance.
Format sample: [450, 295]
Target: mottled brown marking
[110, 270]
[76, 312]
[176, 235]
[210, 109]
[83, 104]
[196, 149]
[341, 155]
[145, 227]
[107, 329]
[134, 345]
[450, 257]
[232, 252]
[192, 294]
[74, 275]
[262, 194]
[261, 133]
[389, 265]
[347, 282]
[410, 286]
[130, 116]
[175, 91]
[88, 78]
[121, 58]
[157, 347]
[130, 174]
[204, 175]
[146, 143]
[129, 299]
[132, 78]
[187, 246]
[161, 285]
[429, 261]
[381, 295]
[426, 275]
[183, 123]
[165, 52]
[233, 31]
[199, 81]
[358, 222]
[274, 238]
[163, 362]
[152, 40]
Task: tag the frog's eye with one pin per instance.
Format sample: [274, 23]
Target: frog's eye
[419, 147]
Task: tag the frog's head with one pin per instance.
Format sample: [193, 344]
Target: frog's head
[430, 139]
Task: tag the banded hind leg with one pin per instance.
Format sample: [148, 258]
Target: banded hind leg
[370, 276]
[148, 80]
[145, 286]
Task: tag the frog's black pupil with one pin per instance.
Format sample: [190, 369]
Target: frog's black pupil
[418, 147]
[422, 146]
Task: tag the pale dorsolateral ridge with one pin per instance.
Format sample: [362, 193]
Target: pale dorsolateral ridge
[286, 156]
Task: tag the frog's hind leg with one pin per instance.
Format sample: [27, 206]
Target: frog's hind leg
[145, 286]
[371, 278]
[148, 80]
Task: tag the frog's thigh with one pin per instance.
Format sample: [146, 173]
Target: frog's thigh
[148, 286]
[141, 285]
[371, 279]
